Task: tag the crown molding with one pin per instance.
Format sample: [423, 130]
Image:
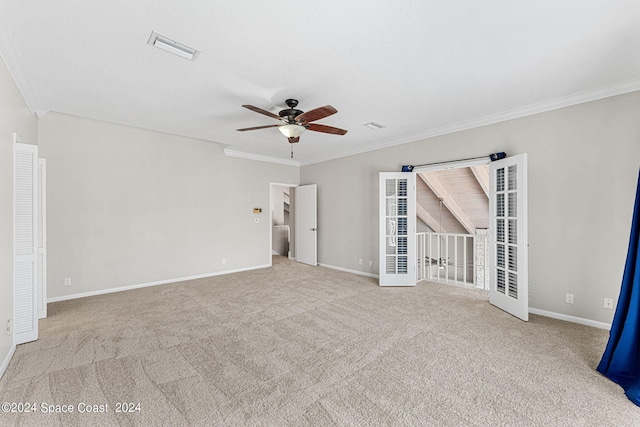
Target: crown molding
[259, 157]
[8, 54]
[529, 110]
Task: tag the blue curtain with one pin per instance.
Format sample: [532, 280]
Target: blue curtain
[621, 359]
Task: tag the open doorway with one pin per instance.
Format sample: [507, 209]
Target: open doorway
[407, 261]
[294, 226]
[282, 220]
[452, 207]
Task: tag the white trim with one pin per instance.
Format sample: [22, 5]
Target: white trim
[8, 53]
[529, 110]
[146, 285]
[7, 359]
[347, 270]
[456, 164]
[42, 245]
[572, 319]
[282, 184]
[559, 316]
[259, 157]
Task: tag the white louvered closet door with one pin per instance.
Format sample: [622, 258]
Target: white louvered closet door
[25, 312]
[397, 219]
[509, 240]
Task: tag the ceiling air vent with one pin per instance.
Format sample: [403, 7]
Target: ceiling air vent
[172, 46]
[374, 126]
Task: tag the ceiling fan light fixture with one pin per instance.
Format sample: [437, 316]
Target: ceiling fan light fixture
[292, 130]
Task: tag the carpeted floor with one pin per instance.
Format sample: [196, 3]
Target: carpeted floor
[296, 345]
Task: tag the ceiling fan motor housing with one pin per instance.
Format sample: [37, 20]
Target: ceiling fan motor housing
[290, 113]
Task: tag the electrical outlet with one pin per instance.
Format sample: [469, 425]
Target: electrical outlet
[608, 303]
[67, 281]
[370, 263]
[9, 327]
[360, 261]
[569, 298]
[224, 261]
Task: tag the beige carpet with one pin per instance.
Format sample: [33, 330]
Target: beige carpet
[295, 345]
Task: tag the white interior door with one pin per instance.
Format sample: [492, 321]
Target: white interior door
[397, 233]
[306, 224]
[25, 264]
[509, 239]
[42, 238]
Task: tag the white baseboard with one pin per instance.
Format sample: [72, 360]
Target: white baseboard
[551, 314]
[347, 270]
[7, 359]
[146, 285]
[573, 319]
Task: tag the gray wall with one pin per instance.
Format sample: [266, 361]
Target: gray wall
[127, 206]
[14, 117]
[583, 167]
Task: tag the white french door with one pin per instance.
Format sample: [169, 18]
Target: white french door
[397, 233]
[25, 264]
[306, 224]
[508, 233]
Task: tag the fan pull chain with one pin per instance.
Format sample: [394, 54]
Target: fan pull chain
[291, 150]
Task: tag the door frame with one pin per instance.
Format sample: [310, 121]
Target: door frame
[460, 164]
[452, 165]
[42, 240]
[271, 185]
[523, 258]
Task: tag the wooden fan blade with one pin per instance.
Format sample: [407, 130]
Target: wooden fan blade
[325, 129]
[261, 111]
[259, 127]
[316, 114]
[293, 139]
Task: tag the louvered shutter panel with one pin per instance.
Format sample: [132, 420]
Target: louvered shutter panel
[26, 249]
[397, 229]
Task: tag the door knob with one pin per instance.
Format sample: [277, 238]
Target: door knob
[313, 229]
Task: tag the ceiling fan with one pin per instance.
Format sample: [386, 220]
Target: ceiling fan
[296, 121]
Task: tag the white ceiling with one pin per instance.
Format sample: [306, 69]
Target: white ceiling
[419, 67]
